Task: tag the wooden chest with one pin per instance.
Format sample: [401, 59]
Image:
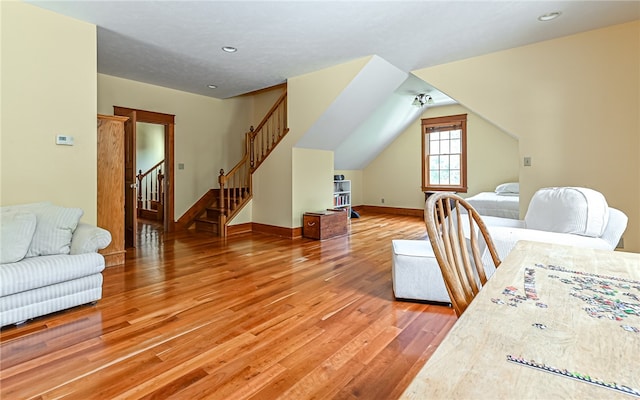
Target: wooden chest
[325, 224]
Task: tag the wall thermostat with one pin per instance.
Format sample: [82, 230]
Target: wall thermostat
[65, 140]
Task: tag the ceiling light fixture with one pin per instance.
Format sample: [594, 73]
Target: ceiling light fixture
[550, 16]
[229, 49]
[422, 99]
[212, 86]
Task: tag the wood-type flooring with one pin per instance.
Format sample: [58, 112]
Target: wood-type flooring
[253, 316]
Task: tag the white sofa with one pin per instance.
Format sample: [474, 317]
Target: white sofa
[565, 215]
[49, 261]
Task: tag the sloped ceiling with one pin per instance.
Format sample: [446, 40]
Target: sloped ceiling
[362, 96]
[369, 114]
[385, 124]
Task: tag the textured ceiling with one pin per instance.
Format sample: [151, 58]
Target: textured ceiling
[177, 44]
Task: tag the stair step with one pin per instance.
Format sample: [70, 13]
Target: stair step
[212, 213]
[206, 225]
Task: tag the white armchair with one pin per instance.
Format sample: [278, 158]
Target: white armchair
[567, 215]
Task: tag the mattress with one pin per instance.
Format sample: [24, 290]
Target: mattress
[495, 205]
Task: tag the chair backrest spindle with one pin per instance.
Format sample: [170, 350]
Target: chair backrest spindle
[456, 249]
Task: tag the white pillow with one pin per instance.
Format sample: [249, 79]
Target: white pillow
[54, 229]
[580, 211]
[16, 232]
[509, 188]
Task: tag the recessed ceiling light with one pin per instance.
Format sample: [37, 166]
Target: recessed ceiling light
[211, 86]
[229, 49]
[549, 16]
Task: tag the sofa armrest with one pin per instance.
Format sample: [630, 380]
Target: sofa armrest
[89, 239]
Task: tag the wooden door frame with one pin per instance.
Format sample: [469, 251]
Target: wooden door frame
[168, 121]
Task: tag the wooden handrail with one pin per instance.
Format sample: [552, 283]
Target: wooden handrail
[281, 99]
[263, 139]
[150, 186]
[236, 185]
[150, 169]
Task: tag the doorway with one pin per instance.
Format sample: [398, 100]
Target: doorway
[167, 121]
[151, 168]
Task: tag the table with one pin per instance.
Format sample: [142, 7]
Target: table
[572, 310]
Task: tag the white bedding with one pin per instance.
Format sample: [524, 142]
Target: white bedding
[492, 204]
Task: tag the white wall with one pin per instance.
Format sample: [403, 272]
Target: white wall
[48, 88]
[149, 145]
[573, 102]
[312, 182]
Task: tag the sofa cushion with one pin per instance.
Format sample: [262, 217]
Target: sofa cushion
[16, 231]
[37, 272]
[580, 211]
[54, 229]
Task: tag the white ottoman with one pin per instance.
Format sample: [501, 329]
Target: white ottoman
[415, 272]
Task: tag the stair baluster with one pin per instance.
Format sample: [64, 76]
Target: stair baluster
[236, 186]
[150, 192]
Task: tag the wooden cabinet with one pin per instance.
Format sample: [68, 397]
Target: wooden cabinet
[111, 185]
[324, 225]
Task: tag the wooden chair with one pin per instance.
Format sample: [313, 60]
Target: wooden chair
[458, 255]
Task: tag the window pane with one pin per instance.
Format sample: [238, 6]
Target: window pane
[444, 162]
[434, 177]
[434, 147]
[434, 162]
[444, 177]
[444, 147]
[442, 142]
[454, 162]
[455, 177]
[455, 146]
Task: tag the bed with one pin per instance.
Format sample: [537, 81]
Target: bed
[503, 202]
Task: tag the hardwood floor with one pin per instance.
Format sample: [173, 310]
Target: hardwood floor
[250, 317]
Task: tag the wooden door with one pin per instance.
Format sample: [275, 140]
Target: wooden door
[110, 201]
[168, 120]
[130, 181]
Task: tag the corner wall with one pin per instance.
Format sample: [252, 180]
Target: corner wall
[48, 82]
[396, 174]
[273, 182]
[573, 103]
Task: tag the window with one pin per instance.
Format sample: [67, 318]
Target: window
[444, 154]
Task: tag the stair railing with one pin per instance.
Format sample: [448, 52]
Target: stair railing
[150, 187]
[235, 186]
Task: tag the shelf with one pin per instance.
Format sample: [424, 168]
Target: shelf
[342, 195]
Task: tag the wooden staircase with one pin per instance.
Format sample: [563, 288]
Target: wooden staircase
[209, 220]
[218, 206]
[151, 193]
